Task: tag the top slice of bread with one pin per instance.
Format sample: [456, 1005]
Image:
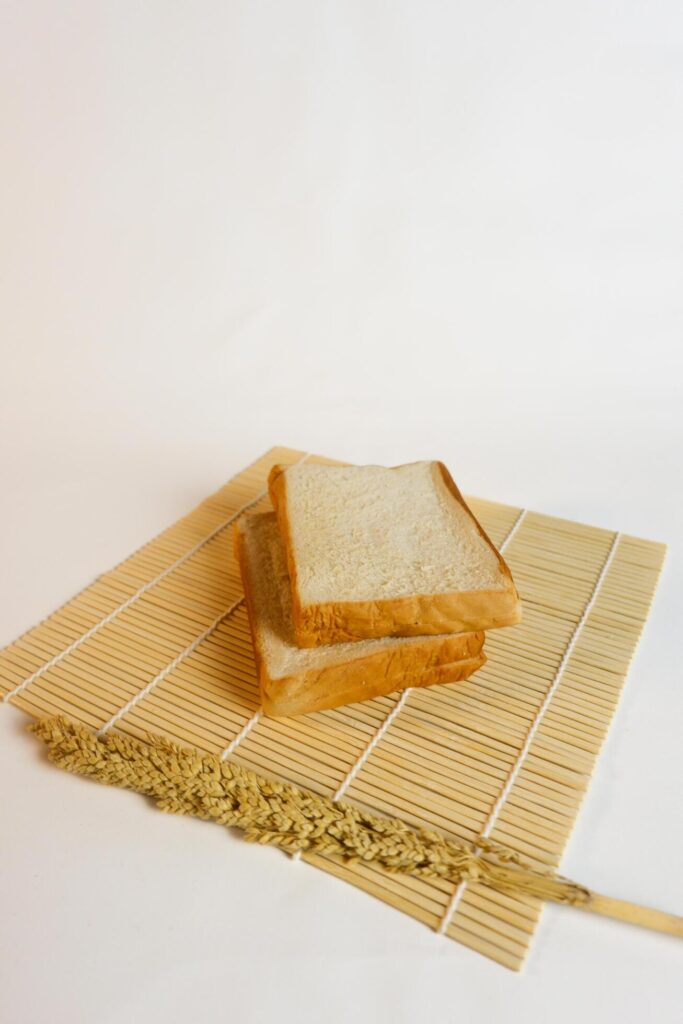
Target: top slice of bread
[296, 681]
[376, 552]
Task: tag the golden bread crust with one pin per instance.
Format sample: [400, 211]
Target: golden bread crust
[416, 615]
[447, 659]
[344, 684]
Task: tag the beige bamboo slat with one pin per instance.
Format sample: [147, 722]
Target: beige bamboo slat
[131, 638]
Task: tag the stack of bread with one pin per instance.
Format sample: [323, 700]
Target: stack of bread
[367, 580]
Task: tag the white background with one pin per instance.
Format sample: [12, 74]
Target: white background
[380, 231]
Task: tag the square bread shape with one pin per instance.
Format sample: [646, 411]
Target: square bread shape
[296, 681]
[375, 552]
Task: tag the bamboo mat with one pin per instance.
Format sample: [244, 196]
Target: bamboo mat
[161, 643]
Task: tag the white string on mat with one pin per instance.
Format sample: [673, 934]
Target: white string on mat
[242, 734]
[365, 754]
[513, 529]
[141, 694]
[533, 729]
[371, 745]
[138, 594]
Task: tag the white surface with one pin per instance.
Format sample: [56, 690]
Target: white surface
[380, 231]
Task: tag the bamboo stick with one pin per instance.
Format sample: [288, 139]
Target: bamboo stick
[633, 913]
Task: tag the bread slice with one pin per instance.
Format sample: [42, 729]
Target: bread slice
[376, 552]
[295, 681]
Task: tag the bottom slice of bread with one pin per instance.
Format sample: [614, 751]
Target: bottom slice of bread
[296, 681]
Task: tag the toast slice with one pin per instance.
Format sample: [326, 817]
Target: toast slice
[295, 681]
[375, 552]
